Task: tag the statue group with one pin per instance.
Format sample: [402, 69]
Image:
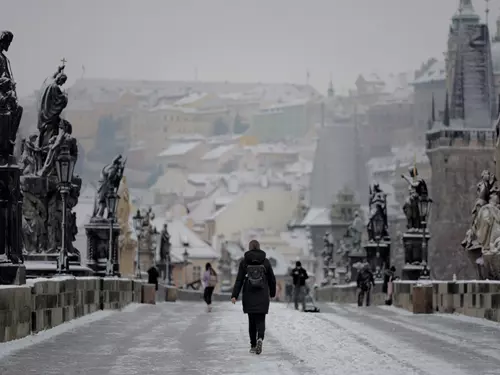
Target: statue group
[42, 204]
[482, 240]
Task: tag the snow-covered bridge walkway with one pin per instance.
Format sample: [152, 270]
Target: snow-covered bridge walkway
[181, 338]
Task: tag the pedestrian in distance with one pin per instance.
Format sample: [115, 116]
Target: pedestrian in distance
[365, 282]
[153, 275]
[299, 277]
[257, 281]
[209, 283]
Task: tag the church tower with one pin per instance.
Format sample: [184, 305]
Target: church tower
[461, 146]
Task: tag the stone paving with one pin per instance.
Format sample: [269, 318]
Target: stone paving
[181, 338]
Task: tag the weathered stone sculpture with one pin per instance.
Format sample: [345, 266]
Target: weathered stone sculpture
[109, 182]
[355, 253]
[418, 190]
[11, 270]
[377, 223]
[225, 266]
[103, 232]
[417, 236]
[482, 241]
[42, 204]
[328, 258]
[165, 265]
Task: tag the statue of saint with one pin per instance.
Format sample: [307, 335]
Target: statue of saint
[109, 182]
[53, 101]
[165, 243]
[8, 99]
[356, 231]
[418, 190]
[54, 145]
[378, 211]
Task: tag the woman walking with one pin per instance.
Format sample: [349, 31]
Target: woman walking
[256, 278]
[210, 282]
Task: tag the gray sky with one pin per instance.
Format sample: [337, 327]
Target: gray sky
[233, 40]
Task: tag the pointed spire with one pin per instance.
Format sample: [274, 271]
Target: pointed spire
[466, 11]
[433, 109]
[446, 114]
[331, 91]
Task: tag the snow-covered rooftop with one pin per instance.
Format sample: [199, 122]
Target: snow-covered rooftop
[218, 152]
[317, 216]
[178, 149]
[434, 73]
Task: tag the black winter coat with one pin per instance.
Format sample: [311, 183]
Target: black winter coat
[299, 276]
[255, 301]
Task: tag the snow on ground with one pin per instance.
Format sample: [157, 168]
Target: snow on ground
[10, 347]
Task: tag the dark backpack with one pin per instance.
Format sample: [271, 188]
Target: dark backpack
[256, 276]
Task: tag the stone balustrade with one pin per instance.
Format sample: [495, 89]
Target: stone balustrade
[172, 294]
[348, 294]
[46, 303]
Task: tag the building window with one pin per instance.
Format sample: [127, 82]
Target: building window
[260, 205]
[196, 273]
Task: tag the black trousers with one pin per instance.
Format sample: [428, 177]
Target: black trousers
[207, 294]
[361, 297]
[256, 327]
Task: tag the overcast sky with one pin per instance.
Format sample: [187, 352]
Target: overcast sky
[228, 40]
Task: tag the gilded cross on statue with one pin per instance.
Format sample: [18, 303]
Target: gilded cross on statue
[63, 60]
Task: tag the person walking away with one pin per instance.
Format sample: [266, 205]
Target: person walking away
[299, 276]
[257, 281]
[387, 286]
[153, 275]
[209, 282]
[365, 282]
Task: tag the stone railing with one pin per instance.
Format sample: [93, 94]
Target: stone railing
[348, 294]
[461, 138]
[46, 303]
[479, 299]
[172, 294]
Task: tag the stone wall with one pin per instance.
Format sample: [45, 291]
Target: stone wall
[348, 294]
[172, 294]
[47, 303]
[480, 299]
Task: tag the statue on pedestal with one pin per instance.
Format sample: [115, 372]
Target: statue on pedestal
[418, 190]
[42, 202]
[355, 232]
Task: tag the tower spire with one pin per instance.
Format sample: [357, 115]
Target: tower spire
[446, 114]
[331, 91]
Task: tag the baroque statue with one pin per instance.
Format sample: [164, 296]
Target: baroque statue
[377, 223]
[482, 240]
[109, 182]
[417, 191]
[10, 110]
[165, 260]
[42, 203]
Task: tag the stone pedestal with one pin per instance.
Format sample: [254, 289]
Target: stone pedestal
[378, 255]
[415, 254]
[422, 298]
[356, 258]
[98, 236]
[11, 269]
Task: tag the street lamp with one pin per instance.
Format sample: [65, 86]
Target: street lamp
[111, 199]
[137, 220]
[185, 257]
[424, 205]
[154, 243]
[65, 164]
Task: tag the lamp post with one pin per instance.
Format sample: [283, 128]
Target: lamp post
[424, 205]
[137, 220]
[111, 199]
[154, 243]
[185, 257]
[65, 164]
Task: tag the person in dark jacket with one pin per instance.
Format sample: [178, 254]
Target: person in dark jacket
[153, 275]
[365, 282]
[299, 276]
[256, 279]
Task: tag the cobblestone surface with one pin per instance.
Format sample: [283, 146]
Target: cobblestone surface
[181, 338]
